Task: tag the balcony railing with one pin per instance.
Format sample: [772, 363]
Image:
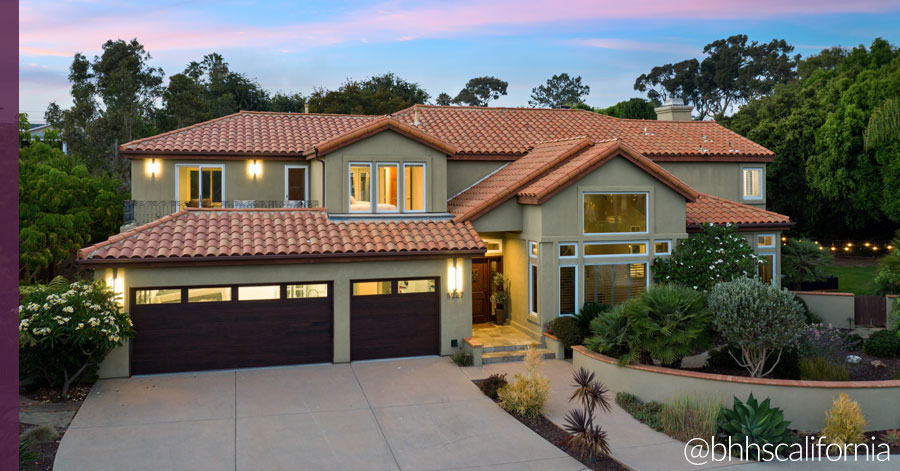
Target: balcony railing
[142, 212]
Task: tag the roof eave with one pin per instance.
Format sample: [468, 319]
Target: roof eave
[746, 227]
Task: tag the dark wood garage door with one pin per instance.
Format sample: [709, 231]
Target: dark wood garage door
[204, 328]
[394, 318]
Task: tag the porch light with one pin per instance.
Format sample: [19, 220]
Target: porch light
[454, 278]
[255, 168]
[153, 167]
[115, 282]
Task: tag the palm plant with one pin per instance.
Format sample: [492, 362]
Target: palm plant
[884, 124]
[803, 261]
[587, 439]
[668, 323]
[610, 332]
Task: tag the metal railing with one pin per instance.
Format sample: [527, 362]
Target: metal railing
[141, 212]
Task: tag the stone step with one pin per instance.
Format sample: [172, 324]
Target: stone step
[509, 348]
[513, 355]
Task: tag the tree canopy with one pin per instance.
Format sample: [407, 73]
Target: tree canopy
[480, 91]
[382, 94]
[635, 108]
[558, 91]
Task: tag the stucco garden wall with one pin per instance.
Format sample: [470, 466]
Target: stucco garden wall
[836, 309]
[804, 402]
[456, 313]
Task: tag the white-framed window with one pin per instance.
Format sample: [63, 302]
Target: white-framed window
[616, 212]
[753, 184]
[360, 187]
[765, 241]
[615, 283]
[493, 246]
[662, 247]
[615, 249]
[766, 268]
[387, 187]
[568, 250]
[568, 289]
[415, 188]
[296, 182]
[200, 185]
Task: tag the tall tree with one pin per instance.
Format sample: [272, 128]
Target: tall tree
[382, 94]
[443, 99]
[558, 91]
[634, 108]
[285, 103]
[480, 91]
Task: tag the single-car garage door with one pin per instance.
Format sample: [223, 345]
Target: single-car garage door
[217, 327]
[394, 318]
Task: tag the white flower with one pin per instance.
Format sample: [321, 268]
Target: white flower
[80, 325]
[69, 309]
[41, 331]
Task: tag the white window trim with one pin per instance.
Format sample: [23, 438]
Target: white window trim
[559, 289]
[646, 210]
[378, 167]
[646, 270]
[532, 310]
[287, 192]
[774, 262]
[402, 206]
[567, 257]
[645, 243]
[668, 252]
[372, 202]
[772, 246]
[533, 250]
[201, 166]
[762, 188]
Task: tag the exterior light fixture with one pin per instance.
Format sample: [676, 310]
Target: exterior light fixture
[255, 168]
[454, 278]
[874, 248]
[153, 167]
[115, 282]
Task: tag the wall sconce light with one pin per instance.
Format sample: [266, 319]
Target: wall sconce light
[116, 283]
[153, 167]
[454, 278]
[255, 168]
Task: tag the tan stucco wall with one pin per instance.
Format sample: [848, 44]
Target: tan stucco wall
[722, 179]
[239, 184]
[462, 174]
[504, 218]
[456, 313]
[804, 406]
[836, 309]
[386, 146]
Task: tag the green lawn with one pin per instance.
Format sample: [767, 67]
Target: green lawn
[854, 279]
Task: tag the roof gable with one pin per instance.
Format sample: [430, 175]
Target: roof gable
[375, 127]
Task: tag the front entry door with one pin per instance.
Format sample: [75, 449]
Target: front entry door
[296, 184]
[482, 274]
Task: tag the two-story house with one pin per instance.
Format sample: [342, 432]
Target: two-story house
[276, 238]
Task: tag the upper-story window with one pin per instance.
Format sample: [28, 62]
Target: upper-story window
[388, 188]
[753, 186]
[615, 213]
[413, 187]
[199, 186]
[361, 188]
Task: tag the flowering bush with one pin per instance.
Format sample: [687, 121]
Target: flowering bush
[713, 255]
[820, 340]
[66, 330]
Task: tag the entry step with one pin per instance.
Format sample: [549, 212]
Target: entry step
[510, 348]
[512, 355]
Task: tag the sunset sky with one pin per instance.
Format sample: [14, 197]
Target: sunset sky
[295, 46]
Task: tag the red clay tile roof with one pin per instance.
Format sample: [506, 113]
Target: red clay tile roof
[376, 126]
[586, 162]
[502, 185]
[480, 130]
[473, 131]
[241, 234]
[710, 209]
[250, 133]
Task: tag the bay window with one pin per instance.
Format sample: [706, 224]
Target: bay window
[606, 213]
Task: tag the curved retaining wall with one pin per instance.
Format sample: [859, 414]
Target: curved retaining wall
[804, 402]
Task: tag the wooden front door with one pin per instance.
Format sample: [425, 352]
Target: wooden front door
[296, 183]
[482, 273]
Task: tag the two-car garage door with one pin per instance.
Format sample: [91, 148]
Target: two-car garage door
[240, 326]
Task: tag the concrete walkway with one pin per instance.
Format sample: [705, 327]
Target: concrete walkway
[413, 414]
[638, 446]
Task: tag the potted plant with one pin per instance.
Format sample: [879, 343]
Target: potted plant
[500, 297]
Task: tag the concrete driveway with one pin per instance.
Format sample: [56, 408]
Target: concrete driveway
[421, 414]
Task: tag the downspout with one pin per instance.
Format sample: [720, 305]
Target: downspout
[323, 174]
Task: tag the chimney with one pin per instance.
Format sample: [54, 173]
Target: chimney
[674, 110]
[306, 107]
[416, 116]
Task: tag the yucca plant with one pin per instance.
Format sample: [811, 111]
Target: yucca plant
[587, 439]
[752, 422]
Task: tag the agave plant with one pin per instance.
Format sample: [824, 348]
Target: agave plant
[587, 439]
[752, 422]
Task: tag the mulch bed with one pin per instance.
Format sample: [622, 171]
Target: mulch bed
[44, 453]
[862, 371]
[77, 393]
[558, 437]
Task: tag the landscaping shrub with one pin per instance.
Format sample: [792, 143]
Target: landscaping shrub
[461, 359]
[845, 423]
[589, 440]
[801, 260]
[891, 437]
[759, 318]
[41, 434]
[610, 332]
[492, 384]
[823, 369]
[752, 422]
[587, 314]
[684, 417]
[715, 254]
[64, 333]
[853, 342]
[882, 343]
[566, 329]
[788, 367]
[888, 279]
[819, 340]
[668, 323]
[648, 413]
[26, 455]
[526, 395]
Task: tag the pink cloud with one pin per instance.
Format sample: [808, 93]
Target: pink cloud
[34, 51]
[632, 45]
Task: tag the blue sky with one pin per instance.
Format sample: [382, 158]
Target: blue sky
[295, 46]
